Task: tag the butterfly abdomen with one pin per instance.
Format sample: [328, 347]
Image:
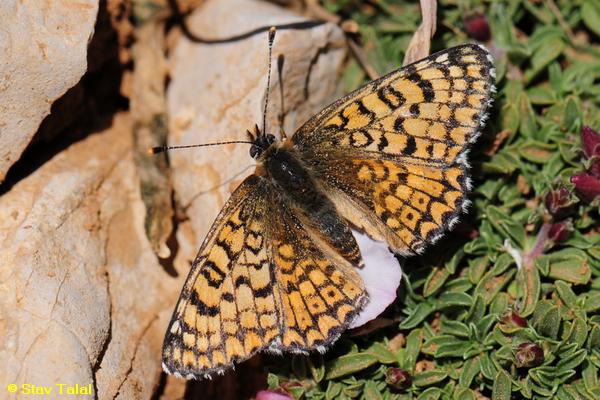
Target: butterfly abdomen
[298, 188]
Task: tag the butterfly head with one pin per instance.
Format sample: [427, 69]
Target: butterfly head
[260, 142]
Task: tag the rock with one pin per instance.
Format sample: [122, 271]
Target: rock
[81, 291]
[44, 50]
[217, 91]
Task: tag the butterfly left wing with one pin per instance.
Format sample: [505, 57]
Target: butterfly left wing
[391, 155]
[427, 111]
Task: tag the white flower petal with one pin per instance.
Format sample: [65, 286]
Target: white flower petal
[381, 275]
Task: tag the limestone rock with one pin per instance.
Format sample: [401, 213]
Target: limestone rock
[81, 291]
[217, 91]
[43, 47]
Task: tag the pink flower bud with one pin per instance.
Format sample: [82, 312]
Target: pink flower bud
[587, 186]
[478, 28]
[557, 202]
[590, 141]
[594, 168]
[513, 318]
[560, 231]
[398, 378]
[529, 355]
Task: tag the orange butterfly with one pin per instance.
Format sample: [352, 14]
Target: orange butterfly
[277, 270]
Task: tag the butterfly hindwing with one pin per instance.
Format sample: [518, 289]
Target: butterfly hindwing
[407, 205]
[320, 293]
[391, 154]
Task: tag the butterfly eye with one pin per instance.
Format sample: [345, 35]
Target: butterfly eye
[254, 151]
[270, 139]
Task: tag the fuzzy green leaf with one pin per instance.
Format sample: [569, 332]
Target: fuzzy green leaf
[502, 386]
[349, 364]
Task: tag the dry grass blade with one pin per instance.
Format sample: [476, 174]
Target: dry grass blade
[420, 43]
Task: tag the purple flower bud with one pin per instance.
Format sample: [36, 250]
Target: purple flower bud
[560, 231]
[590, 141]
[529, 355]
[398, 378]
[587, 186]
[273, 395]
[594, 168]
[557, 202]
[513, 318]
[478, 28]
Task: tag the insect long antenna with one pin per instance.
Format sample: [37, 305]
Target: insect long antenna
[280, 61]
[160, 149]
[272, 31]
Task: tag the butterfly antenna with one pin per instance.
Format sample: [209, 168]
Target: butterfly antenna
[272, 31]
[280, 61]
[160, 149]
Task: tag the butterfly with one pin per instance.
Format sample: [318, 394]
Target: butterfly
[278, 268]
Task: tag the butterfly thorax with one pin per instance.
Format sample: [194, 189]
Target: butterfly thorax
[282, 167]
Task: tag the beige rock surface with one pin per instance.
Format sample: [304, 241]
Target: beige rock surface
[217, 92]
[43, 50]
[83, 298]
[81, 291]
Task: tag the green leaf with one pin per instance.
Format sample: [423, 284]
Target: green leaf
[430, 377]
[432, 393]
[468, 372]
[592, 303]
[594, 337]
[502, 162]
[536, 152]
[541, 95]
[590, 13]
[531, 277]
[571, 362]
[455, 300]
[549, 322]
[464, 394]
[349, 364]
[487, 366]
[272, 381]
[570, 271]
[414, 341]
[435, 280]
[566, 294]
[573, 114]
[506, 226]
[381, 352]
[371, 392]
[502, 386]
[333, 390]
[418, 315]
[578, 332]
[455, 349]
[590, 376]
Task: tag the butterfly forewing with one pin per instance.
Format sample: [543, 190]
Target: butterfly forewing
[427, 111]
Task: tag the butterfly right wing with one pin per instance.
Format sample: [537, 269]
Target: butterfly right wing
[227, 309]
